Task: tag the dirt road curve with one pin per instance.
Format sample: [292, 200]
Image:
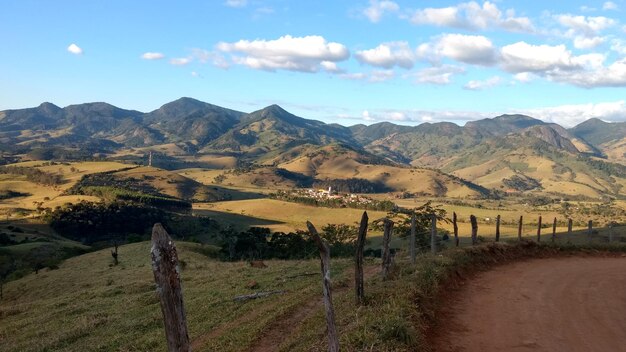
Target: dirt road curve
[563, 304]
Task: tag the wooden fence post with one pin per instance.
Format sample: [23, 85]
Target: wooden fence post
[433, 233]
[456, 229]
[590, 229]
[498, 228]
[539, 230]
[358, 270]
[167, 278]
[569, 229]
[519, 228]
[388, 227]
[474, 223]
[333, 339]
[554, 230]
[413, 234]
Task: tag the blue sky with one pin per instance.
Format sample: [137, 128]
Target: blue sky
[338, 61]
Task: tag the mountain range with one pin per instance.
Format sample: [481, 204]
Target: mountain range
[512, 153]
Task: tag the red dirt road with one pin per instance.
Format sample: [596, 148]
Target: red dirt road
[562, 304]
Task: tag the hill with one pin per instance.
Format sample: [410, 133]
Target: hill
[610, 138]
[188, 133]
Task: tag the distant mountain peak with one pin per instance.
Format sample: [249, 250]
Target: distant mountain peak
[48, 108]
[515, 117]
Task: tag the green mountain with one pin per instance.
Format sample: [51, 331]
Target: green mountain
[272, 130]
[187, 119]
[488, 152]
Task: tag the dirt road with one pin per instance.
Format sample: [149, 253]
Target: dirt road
[562, 304]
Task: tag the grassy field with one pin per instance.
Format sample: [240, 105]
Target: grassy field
[278, 215]
[90, 305]
[49, 196]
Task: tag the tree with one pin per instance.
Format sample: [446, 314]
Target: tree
[402, 220]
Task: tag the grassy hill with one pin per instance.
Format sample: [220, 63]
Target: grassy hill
[89, 305]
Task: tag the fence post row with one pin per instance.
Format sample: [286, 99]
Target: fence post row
[554, 230]
[333, 339]
[388, 227]
[519, 228]
[358, 270]
[413, 234]
[539, 230]
[498, 228]
[167, 278]
[456, 229]
[474, 229]
[590, 230]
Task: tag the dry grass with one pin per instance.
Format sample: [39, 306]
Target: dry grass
[50, 196]
[90, 305]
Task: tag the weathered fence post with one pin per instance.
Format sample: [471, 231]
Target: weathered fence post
[114, 253]
[358, 270]
[388, 227]
[554, 230]
[539, 230]
[498, 228]
[569, 229]
[456, 229]
[167, 278]
[474, 223]
[333, 339]
[590, 230]
[413, 234]
[519, 228]
[433, 233]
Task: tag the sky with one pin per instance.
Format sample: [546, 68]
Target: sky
[344, 61]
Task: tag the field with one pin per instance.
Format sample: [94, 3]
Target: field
[89, 304]
[49, 196]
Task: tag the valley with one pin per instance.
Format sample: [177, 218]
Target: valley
[231, 187]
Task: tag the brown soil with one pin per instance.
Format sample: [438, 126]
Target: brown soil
[560, 304]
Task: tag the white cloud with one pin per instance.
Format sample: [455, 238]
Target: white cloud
[304, 54]
[180, 61]
[437, 74]
[597, 75]
[388, 55]
[355, 76]
[152, 56]
[412, 117]
[205, 56]
[571, 115]
[524, 57]
[236, 3]
[75, 49]
[470, 49]
[378, 8]
[619, 46]
[565, 115]
[472, 16]
[330, 66]
[524, 77]
[586, 8]
[582, 42]
[381, 75]
[480, 85]
[588, 26]
[609, 5]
